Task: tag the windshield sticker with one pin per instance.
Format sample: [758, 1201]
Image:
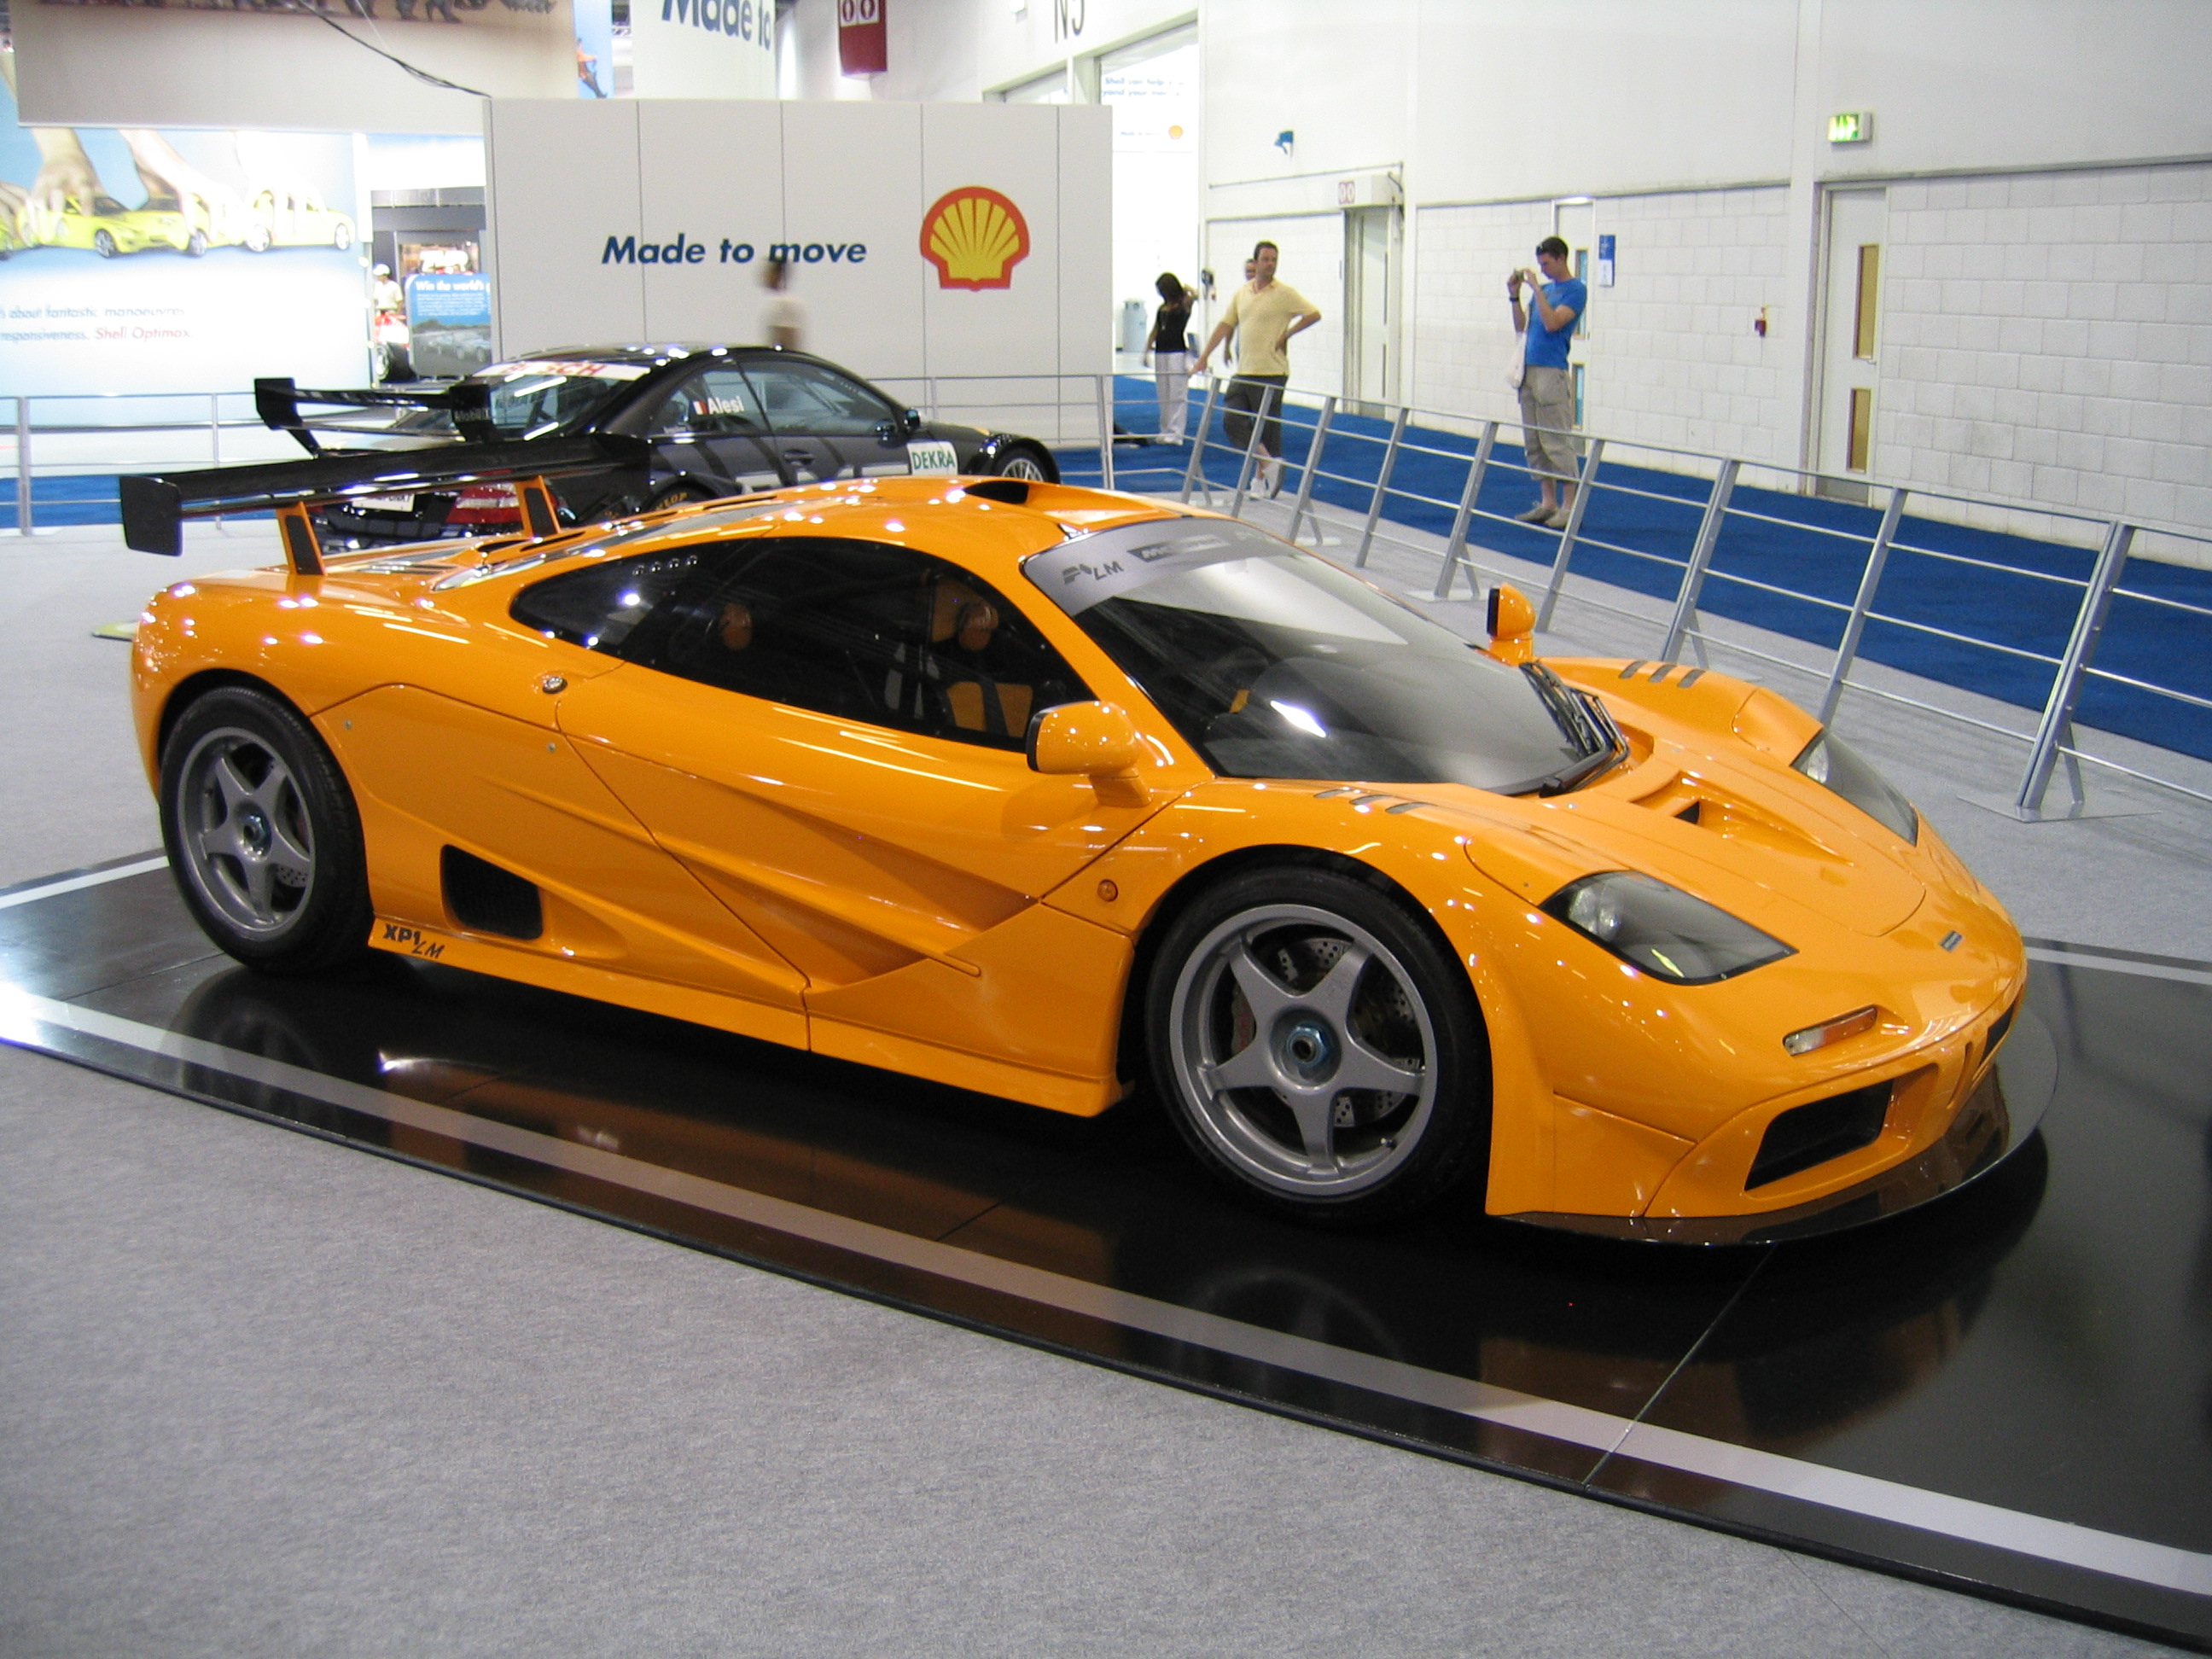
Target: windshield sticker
[574, 371]
[932, 459]
[1080, 573]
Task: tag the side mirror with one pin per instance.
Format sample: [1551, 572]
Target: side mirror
[1512, 626]
[913, 418]
[1094, 740]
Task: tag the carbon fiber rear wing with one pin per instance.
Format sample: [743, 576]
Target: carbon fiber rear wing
[155, 504]
[276, 400]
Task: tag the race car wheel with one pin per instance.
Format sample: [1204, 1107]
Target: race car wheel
[1317, 1047]
[1020, 461]
[262, 833]
[103, 243]
[679, 495]
[196, 244]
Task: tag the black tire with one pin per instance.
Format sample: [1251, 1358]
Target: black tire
[679, 495]
[1405, 1013]
[1024, 461]
[262, 835]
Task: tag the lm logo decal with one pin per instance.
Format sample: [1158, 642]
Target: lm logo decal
[975, 237]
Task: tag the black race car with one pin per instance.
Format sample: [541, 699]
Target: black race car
[674, 422]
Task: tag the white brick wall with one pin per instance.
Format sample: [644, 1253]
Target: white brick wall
[2047, 338]
[1671, 357]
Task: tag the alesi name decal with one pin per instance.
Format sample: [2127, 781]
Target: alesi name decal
[631, 250]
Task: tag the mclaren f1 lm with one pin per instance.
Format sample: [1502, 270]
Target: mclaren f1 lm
[1060, 794]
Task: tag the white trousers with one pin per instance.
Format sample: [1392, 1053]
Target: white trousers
[1171, 370]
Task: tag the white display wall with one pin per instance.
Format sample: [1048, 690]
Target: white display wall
[849, 186]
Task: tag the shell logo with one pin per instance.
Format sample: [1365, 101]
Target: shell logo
[975, 237]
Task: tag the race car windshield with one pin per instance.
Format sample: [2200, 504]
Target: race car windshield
[533, 399]
[1274, 663]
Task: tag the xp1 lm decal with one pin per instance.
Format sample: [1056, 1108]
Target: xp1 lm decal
[975, 237]
[933, 459]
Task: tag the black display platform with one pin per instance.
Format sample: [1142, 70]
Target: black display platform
[2008, 1392]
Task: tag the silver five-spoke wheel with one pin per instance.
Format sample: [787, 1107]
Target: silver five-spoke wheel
[1020, 463]
[1302, 1044]
[248, 845]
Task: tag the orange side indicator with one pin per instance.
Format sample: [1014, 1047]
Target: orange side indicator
[1834, 1031]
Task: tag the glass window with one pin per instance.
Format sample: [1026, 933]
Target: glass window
[869, 632]
[1276, 664]
[808, 398]
[597, 607]
[715, 402]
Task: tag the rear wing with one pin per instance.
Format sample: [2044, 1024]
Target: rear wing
[277, 401]
[155, 504]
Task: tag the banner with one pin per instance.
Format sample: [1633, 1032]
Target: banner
[863, 44]
[176, 261]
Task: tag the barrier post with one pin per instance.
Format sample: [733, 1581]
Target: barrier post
[1455, 549]
[1573, 530]
[2055, 729]
[1196, 469]
[1381, 485]
[1105, 432]
[215, 428]
[1300, 507]
[23, 526]
[1847, 648]
[1701, 556]
[1251, 454]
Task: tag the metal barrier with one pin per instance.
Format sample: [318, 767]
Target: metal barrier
[1319, 454]
[1080, 413]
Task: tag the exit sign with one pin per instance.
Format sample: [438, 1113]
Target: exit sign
[1853, 127]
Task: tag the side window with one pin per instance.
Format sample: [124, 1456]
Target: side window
[598, 606]
[808, 398]
[715, 402]
[868, 633]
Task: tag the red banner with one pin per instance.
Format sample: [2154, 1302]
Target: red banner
[862, 48]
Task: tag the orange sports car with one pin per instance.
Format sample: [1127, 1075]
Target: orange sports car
[1056, 794]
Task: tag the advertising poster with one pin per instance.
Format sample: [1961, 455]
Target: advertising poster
[449, 323]
[135, 260]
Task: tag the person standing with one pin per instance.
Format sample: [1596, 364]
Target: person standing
[1168, 350]
[1546, 325]
[1264, 313]
[783, 319]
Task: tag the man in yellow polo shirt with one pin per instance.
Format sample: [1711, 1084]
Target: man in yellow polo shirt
[1264, 313]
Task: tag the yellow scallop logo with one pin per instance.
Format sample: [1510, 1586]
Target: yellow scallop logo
[975, 237]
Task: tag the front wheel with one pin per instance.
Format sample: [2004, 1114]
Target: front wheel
[103, 243]
[196, 244]
[262, 835]
[1317, 1048]
[342, 235]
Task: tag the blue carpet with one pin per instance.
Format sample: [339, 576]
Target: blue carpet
[77, 498]
[2006, 600]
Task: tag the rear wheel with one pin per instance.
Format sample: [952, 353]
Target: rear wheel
[262, 835]
[1318, 1049]
[1023, 461]
[342, 235]
[196, 244]
[679, 495]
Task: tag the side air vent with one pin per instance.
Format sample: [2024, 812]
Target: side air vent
[1014, 492]
[486, 899]
[1812, 1134]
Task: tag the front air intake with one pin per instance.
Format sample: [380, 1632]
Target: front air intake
[486, 899]
[1812, 1134]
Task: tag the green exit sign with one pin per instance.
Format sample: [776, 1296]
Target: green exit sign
[1853, 127]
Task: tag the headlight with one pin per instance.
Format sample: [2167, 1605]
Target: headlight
[1828, 762]
[1661, 929]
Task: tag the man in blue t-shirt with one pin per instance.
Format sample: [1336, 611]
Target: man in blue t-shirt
[1547, 398]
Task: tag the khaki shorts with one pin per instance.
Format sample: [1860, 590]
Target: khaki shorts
[1548, 419]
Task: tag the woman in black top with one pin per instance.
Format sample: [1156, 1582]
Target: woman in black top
[1168, 350]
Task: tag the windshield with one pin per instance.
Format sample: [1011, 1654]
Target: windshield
[1274, 663]
[531, 399]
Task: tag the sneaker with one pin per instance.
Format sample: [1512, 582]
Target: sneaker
[1539, 513]
[1274, 472]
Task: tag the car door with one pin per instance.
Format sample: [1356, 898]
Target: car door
[829, 421]
[708, 426]
[829, 733]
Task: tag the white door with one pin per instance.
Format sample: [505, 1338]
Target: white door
[1850, 338]
[1371, 307]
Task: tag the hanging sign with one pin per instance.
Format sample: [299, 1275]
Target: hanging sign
[862, 46]
[1605, 262]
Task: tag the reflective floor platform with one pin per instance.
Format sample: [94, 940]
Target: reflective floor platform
[2009, 1392]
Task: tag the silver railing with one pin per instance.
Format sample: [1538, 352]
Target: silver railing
[1082, 417]
[1319, 448]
